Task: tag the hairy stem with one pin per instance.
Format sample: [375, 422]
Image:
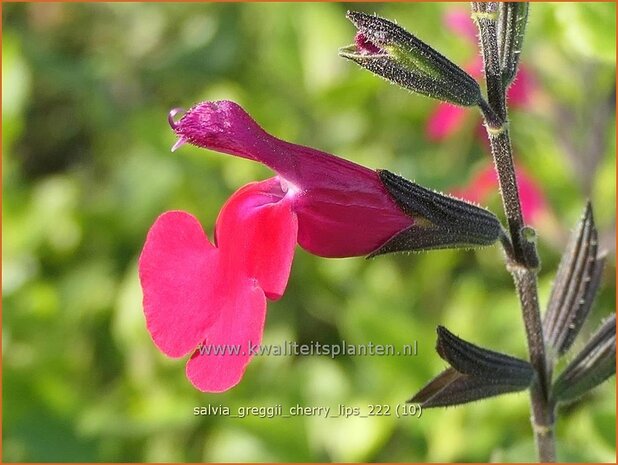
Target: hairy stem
[522, 260]
[542, 409]
[543, 415]
[500, 143]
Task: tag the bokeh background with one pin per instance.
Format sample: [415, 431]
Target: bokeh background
[86, 89]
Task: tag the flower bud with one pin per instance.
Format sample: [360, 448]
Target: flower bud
[391, 52]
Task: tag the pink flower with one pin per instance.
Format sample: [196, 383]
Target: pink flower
[213, 296]
[458, 20]
[447, 119]
[196, 293]
[485, 184]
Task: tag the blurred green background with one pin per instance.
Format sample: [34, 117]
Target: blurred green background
[86, 89]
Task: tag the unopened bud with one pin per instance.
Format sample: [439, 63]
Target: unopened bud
[388, 50]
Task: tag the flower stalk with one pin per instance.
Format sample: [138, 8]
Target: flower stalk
[523, 262]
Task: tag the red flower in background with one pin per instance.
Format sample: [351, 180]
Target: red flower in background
[484, 184]
[197, 293]
[447, 119]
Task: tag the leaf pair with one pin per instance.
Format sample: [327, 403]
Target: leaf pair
[475, 374]
[572, 295]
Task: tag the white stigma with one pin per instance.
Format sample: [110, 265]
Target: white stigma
[288, 188]
[179, 143]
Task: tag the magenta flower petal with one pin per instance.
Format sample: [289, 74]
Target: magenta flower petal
[256, 236]
[256, 233]
[521, 91]
[343, 208]
[348, 227]
[459, 21]
[177, 270]
[484, 184]
[195, 293]
[445, 121]
[239, 327]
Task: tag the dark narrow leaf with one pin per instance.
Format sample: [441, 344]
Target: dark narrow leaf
[440, 221]
[386, 49]
[434, 386]
[575, 287]
[513, 17]
[475, 374]
[453, 388]
[481, 363]
[593, 365]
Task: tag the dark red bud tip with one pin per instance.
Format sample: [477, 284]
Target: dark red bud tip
[364, 45]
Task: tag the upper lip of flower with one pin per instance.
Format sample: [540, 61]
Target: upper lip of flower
[343, 208]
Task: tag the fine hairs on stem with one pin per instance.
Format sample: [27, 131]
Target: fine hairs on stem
[523, 263]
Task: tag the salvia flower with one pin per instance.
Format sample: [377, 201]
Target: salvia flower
[213, 296]
[484, 185]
